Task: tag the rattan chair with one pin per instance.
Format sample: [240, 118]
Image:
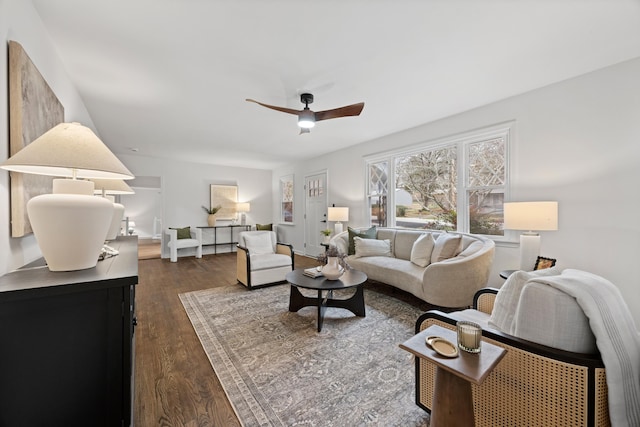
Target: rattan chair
[534, 385]
[262, 260]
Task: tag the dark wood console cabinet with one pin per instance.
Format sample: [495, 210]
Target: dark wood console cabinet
[67, 343]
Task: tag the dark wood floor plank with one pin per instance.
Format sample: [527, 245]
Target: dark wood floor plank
[175, 384]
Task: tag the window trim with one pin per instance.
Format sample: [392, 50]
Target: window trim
[504, 130]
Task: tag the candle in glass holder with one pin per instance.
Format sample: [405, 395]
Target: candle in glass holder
[469, 336]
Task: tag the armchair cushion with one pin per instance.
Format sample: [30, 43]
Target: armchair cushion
[259, 243]
[264, 227]
[183, 233]
[506, 304]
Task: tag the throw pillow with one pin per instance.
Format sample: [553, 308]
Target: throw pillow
[447, 246]
[259, 243]
[264, 227]
[366, 234]
[422, 249]
[183, 233]
[372, 247]
[506, 302]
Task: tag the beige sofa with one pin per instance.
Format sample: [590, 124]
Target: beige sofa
[450, 282]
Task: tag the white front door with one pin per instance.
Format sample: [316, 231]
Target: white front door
[315, 217]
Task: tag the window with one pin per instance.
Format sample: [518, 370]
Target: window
[286, 199]
[450, 184]
[378, 188]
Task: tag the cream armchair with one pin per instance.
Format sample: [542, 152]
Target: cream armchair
[195, 241]
[261, 260]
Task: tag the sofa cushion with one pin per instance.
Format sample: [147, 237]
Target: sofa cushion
[259, 243]
[264, 227]
[506, 303]
[401, 273]
[403, 243]
[447, 246]
[371, 247]
[369, 233]
[422, 249]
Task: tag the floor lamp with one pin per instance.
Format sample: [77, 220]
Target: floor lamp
[71, 224]
[530, 217]
[337, 215]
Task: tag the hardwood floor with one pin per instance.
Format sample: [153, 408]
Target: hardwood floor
[175, 384]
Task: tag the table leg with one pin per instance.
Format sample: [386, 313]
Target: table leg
[452, 401]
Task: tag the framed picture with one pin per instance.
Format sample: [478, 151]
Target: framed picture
[225, 196]
[542, 263]
[286, 199]
[33, 110]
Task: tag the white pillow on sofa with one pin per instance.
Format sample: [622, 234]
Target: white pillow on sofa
[371, 247]
[447, 246]
[422, 249]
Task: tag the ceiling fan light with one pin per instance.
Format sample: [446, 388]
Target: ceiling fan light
[306, 119]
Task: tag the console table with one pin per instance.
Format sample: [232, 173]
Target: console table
[232, 242]
[68, 342]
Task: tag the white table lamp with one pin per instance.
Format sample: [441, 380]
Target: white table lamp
[243, 208]
[109, 188]
[338, 215]
[530, 217]
[70, 225]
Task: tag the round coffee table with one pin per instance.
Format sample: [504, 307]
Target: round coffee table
[350, 279]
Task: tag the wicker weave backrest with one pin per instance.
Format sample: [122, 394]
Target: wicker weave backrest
[527, 389]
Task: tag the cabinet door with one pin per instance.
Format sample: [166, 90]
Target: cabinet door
[61, 361]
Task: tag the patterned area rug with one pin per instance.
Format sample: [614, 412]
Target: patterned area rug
[277, 370]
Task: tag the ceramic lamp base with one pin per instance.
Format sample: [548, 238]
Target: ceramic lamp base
[116, 221]
[70, 228]
[529, 250]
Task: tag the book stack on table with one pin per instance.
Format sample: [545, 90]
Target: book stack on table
[312, 272]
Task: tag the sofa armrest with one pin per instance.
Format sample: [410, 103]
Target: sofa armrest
[484, 299]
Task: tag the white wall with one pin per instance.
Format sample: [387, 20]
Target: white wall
[20, 22]
[577, 142]
[185, 188]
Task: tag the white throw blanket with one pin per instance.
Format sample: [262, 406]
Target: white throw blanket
[616, 337]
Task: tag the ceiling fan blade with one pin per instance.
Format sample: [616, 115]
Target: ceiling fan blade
[273, 107]
[349, 110]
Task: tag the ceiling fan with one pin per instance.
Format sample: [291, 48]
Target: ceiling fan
[307, 118]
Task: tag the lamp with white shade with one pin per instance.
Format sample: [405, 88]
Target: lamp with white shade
[530, 217]
[243, 208]
[109, 188]
[338, 214]
[70, 225]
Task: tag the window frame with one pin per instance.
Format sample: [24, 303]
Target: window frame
[461, 141]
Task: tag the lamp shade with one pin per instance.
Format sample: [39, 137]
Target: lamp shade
[306, 119]
[243, 207]
[68, 149]
[338, 214]
[538, 216]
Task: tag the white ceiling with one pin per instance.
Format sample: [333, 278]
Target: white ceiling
[170, 77]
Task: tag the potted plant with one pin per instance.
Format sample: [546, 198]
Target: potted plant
[326, 233]
[212, 211]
